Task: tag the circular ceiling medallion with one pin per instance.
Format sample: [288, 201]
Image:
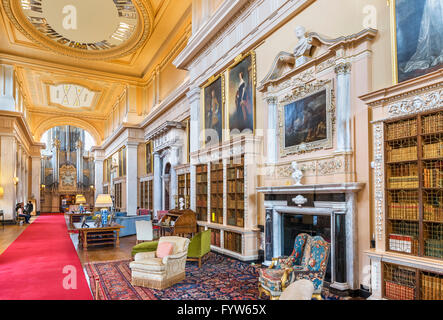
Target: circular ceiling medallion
[98, 29]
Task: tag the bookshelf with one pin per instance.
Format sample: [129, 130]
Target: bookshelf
[184, 187]
[233, 241]
[225, 196]
[414, 185]
[146, 195]
[235, 192]
[118, 195]
[406, 283]
[215, 237]
[202, 192]
[216, 213]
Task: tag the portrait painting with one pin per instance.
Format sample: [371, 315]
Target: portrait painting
[241, 99]
[418, 37]
[306, 121]
[213, 110]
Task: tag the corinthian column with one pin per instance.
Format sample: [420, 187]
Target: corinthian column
[56, 160]
[157, 184]
[79, 162]
[343, 71]
[194, 101]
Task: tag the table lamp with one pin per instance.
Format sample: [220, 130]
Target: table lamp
[104, 201]
[80, 200]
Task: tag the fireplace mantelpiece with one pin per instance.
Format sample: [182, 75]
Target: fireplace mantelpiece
[278, 201]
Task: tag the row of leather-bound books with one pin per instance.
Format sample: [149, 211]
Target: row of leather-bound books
[403, 210]
[402, 154]
[400, 282]
[433, 213]
[403, 182]
[232, 241]
[431, 287]
[397, 291]
[402, 129]
[434, 248]
[433, 150]
[433, 123]
[432, 178]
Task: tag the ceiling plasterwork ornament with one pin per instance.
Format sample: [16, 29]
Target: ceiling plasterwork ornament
[93, 30]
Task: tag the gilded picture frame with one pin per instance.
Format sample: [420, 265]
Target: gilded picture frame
[241, 82]
[303, 98]
[408, 18]
[213, 96]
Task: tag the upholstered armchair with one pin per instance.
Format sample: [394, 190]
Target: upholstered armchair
[273, 280]
[150, 271]
[143, 230]
[315, 269]
[199, 246]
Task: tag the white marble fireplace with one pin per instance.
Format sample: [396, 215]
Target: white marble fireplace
[337, 201]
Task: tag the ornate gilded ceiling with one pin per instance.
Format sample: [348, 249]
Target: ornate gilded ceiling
[97, 30]
[78, 68]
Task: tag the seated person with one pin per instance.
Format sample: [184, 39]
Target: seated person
[21, 213]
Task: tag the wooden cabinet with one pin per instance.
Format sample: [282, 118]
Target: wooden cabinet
[406, 283]
[146, 195]
[202, 192]
[216, 213]
[414, 185]
[235, 192]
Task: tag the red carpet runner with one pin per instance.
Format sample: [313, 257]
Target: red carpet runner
[33, 266]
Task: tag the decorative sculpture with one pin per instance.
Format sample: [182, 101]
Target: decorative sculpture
[181, 203]
[297, 174]
[299, 200]
[303, 47]
[302, 50]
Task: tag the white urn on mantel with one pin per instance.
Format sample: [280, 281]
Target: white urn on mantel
[297, 174]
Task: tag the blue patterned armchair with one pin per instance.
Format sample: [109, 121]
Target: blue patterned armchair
[273, 280]
[317, 262]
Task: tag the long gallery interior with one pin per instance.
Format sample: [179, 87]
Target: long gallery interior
[221, 150]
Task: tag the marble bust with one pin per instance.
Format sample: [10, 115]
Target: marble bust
[302, 50]
[181, 203]
[297, 174]
[303, 46]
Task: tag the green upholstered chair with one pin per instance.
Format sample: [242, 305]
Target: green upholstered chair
[199, 246]
[145, 247]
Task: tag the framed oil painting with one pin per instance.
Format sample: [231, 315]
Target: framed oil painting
[306, 121]
[213, 105]
[241, 95]
[417, 37]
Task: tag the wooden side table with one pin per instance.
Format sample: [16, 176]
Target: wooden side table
[94, 236]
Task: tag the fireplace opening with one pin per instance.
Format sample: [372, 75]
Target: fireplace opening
[310, 224]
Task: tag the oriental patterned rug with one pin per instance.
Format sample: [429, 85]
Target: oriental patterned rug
[219, 278]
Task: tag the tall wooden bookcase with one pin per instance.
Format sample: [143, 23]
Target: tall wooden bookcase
[216, 212]
[414, 185]
[414, 204]
[202, 192]
[184, 187]
[228, 173]
[146, 194]
[235, 193]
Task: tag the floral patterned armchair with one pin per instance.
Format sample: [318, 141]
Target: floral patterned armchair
[274, 279]
[316, 266]
[313, 267]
